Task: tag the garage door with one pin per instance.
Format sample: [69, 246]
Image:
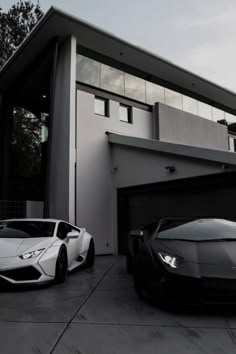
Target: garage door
[212, 195]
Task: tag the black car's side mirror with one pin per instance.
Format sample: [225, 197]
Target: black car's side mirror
[137, 233]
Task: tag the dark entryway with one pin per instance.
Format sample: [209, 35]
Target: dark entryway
[211, 195]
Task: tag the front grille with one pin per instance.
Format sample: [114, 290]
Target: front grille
[22, 274]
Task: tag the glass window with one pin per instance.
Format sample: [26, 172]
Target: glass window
[112, 80]
[154, 93]
[204, 110]
[217, 114]
[230, 118]
[134, 87]
[101, 106]
[62, 230]
[88, 71]
[173, 99]
[190, 105]
[26, 229]
[125, 114]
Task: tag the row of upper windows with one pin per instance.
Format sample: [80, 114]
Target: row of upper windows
[101, 107]
[94, 73]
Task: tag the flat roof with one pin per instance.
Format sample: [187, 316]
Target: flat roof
[223, 157]
[57, 24]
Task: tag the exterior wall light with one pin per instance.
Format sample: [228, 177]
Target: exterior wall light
[170, 169]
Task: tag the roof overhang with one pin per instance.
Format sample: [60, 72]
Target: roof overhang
[222, 157]
[104, 45]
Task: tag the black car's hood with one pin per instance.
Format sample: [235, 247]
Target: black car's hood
[200, 258]
[218, 252]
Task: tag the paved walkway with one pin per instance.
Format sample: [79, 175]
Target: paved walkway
[98, 312]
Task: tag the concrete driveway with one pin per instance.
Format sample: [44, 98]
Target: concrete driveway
[98, 311]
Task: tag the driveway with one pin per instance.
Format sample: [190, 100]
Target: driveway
[97, 311]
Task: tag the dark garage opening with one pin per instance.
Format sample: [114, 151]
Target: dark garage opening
[211, 195]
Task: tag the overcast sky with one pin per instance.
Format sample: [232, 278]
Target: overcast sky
[198, 35]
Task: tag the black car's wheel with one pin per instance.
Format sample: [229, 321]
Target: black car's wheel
[91, 254]
[61, 266]
[129, 263]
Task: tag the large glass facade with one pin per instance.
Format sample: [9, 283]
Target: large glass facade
[154, 93]
[112, 80]
[93, 73]
[88, 71]
[173, 99]
[135, 88]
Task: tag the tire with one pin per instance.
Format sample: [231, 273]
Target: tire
[129, 263]
[61, 266]
[90, 255]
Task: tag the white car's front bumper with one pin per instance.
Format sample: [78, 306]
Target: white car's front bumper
[14, 270]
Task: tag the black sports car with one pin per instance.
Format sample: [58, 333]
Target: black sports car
[190, 260]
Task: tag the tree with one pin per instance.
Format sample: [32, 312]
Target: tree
[15, 25]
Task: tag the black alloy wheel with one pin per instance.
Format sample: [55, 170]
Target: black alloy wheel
[91, 254]
[61, 266]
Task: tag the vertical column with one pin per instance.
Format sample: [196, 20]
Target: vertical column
[6, 116]
[61, 189]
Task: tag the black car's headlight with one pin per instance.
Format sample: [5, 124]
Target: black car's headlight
[170, 260]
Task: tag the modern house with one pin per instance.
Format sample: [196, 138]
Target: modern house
[131, 136]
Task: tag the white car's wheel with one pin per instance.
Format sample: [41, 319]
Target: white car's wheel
[91, 254]
[61, 266]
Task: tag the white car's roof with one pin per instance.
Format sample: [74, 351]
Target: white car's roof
[34, 219]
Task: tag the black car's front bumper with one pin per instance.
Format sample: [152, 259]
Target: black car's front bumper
[193, 290]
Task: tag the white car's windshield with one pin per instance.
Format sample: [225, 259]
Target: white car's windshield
[26, 229]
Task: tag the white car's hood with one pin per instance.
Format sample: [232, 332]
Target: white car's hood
[11, 247]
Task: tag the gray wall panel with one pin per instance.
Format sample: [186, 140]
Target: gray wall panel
[176, 126]
[150, 167]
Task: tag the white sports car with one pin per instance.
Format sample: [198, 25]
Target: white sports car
[40, 250]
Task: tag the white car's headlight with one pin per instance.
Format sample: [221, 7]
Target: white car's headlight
[32, 254]
[171, 261]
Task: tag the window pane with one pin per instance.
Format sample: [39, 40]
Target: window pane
[230, 118]
[204, 110]
[217, 114]
[173, 99]
[125, 114]
[112, 80]
[155, 93]
[134, 87]
[88, 71]
[190, 105]
[100, 106]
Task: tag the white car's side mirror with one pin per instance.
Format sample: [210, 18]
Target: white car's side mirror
[73, 234]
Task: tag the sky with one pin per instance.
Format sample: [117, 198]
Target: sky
[198, 35]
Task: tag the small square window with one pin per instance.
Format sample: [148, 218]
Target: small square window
[101, 107]
[125, 114]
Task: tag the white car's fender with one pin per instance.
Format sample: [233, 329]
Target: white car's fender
[48, 260]
[86, 237]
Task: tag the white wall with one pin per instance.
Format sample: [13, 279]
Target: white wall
[95, 194]
[62, 164]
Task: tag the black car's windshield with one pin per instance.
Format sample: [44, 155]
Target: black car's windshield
[197, 230]
[26, 229]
